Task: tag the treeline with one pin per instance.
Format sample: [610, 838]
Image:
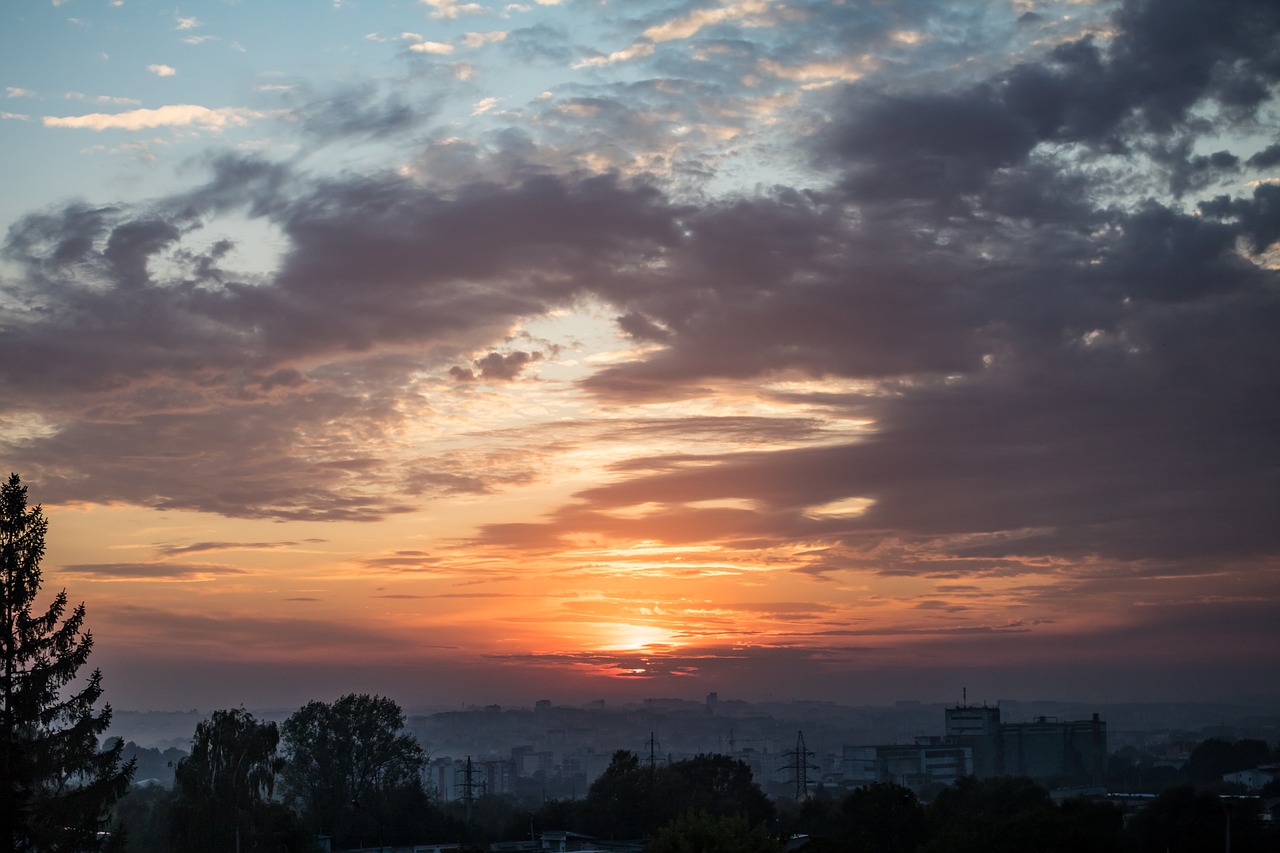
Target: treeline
[345, 770]
[1130, 769]
[1013, 815]
[691, 806]
[348, 771]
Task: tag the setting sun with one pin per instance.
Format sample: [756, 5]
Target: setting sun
[636, 638]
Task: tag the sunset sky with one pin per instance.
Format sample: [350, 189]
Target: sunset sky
[490, 352]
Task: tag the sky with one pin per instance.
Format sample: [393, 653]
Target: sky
[490, 352]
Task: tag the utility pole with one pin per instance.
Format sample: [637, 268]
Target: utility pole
[800, 767]
[469, 786]
[652, 743]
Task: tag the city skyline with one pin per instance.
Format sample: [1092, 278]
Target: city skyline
[492, 352]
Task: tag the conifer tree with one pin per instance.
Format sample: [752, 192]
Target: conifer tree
[56, 784]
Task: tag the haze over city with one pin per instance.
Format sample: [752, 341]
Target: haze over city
[492, 352]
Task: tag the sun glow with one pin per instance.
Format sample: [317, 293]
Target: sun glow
[624, 637]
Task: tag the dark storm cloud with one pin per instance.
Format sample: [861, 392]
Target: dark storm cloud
[1266, 158]
[1258, 218]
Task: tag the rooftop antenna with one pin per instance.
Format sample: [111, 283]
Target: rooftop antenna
[964, 693]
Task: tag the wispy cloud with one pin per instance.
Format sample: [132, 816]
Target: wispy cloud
[481, 39]
[177, 115]
[102, 99]
[636, 51]
[158, 571]
[691, 24]
[450, 9]
[162, 70]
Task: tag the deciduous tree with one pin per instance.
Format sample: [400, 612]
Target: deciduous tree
[57, 784]
[699, 832]
[224, 788]
[344, 761]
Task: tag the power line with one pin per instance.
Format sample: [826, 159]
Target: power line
[800, 765]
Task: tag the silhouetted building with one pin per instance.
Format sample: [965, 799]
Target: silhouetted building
[1045, 749]
[912, 765]
[977, 727]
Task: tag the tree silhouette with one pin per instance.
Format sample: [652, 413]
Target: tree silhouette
[224, 788]
[880, 818]
[347, 761]
[699, 832]
[57, 784]
[632, 801]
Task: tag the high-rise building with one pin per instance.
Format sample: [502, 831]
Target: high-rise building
[977, 727]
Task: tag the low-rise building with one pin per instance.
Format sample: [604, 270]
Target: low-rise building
[912, 765]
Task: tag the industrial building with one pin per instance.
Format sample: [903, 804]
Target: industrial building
[1045, 749]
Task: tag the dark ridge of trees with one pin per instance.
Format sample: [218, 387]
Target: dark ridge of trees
[57, 785]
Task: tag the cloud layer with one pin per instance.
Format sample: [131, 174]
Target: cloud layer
[991, 307]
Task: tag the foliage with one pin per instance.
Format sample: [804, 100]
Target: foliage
[153, 766]
[632, 801]
[1213, 758]
[699, 832]
[1133, 771]
[346, 761]
[722, 786]
[224, 788]
[1179, 819]
[143, 817]
[881, 818]
[58, 785]
[1183, 819]
[621, 801]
